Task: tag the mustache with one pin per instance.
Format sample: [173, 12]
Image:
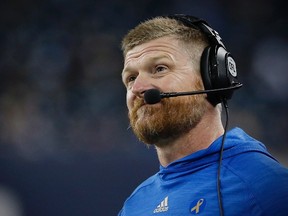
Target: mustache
[139, 102]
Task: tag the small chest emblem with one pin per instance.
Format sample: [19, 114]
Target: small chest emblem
[197, 206]
[162, 207]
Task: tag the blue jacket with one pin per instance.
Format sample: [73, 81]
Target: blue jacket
[252, 183]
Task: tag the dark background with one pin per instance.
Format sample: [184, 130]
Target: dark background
[64, 144]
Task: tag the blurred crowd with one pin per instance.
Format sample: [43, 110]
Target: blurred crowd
[62, 103]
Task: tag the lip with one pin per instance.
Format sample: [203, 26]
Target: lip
[145, 105]
[139, 105]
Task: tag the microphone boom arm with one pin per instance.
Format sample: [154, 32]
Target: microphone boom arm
[176, 94]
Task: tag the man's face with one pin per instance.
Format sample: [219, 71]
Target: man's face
[163, 64]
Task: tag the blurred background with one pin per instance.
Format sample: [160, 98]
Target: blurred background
[64, 144]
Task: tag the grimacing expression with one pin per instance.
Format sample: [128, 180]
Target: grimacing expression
[165, 65]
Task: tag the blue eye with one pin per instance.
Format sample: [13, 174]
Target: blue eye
[160, 69]
[131, 78]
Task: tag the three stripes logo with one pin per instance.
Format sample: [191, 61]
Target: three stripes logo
[162, 207]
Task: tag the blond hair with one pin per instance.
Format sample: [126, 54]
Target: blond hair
[193, 39]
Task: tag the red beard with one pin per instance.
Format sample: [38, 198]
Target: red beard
[169, 119]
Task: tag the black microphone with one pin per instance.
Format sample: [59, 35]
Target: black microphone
[153, 96]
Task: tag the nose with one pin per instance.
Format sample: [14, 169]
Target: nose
[140, 85]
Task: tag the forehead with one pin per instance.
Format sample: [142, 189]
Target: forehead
[154, 49]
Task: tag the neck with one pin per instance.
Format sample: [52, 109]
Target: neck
[198, 138]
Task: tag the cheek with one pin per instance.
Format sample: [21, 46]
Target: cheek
[129, 99]
[188, 83]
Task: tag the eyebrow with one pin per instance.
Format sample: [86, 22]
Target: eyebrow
[152, 58]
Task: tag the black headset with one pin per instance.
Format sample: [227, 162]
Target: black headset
[218, 68]
[219, 75]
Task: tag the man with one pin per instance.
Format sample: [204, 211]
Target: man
[177, 54]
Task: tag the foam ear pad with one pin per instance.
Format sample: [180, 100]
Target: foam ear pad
[209, 73]
[205, 68]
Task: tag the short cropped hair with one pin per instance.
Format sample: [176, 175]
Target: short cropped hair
[193, 39]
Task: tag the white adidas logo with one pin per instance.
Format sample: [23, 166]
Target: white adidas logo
[162, 207]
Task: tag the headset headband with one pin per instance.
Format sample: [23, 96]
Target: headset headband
[197, 23]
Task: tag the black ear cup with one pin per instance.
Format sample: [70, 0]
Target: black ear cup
[215, 72]
[218, 68]
[206, 74]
